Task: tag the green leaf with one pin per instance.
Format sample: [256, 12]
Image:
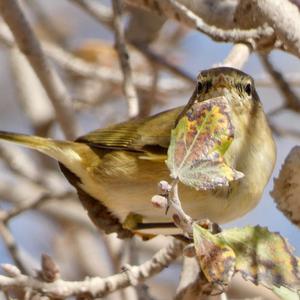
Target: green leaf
[198, 144]
[215, 257]
[263, 257]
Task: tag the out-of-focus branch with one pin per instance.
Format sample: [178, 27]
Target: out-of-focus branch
[283, 132]
[124, 59]
[163, 62]
[53, 30]
[217, 13]
[24, 206]
[142, 29]
[287, 187]
[18, 162]
[32, 95]
[175, 10]
[79, 66]
[143, 26]
[293, 79]
[237, 57]
[89, 70]
[284, 17]
[71, 211]
[12, 247]
[99, 11]
[30, 46]
[98, 287]
[291, 99]
[188, 278]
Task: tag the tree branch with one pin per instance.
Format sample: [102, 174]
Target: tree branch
[124, 59]
[175, 10]
[284, 17]
[98, 287]
[291, 99]
[30, 46]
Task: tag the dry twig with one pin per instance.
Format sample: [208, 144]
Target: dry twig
[284, 17]
[98, 287]
[175, 10]
[12, 247]
[291, 99]
[100, 12]
[124, 59]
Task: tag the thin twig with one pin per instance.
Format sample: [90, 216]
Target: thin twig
[128, 85]
[292, 101]
[30, 46]
[99, 287]
[19, 163]
[293, 80]
[32, 96]
[175, 10]
[32, 205]
[103, 14]
[170, 86]
[12, 247]
[162, 61]
[97, 10]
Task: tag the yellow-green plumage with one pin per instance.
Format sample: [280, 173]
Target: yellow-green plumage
[121, 165]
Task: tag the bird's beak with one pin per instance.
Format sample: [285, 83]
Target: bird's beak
[220, 81]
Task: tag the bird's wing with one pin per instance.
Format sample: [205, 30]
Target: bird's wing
[151, 134]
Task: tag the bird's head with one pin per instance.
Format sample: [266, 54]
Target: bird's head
[236, 86]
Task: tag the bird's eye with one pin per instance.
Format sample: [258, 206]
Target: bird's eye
[248, 89]
[199, 87]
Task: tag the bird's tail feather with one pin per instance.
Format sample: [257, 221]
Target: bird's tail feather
[54, 148]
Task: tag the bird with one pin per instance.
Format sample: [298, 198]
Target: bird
[116, 169]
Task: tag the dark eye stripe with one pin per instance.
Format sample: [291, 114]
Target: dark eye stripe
[208, 85]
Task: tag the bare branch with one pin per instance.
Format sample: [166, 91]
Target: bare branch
[72, 63]
[174, 10]
[12, 247]
[30, 46]
[163, 62]
[124, 59]
[293, 79]
[188, 278]
[99, 287]
[143, 26]
[284, 17]
[237, 57]
[24, 206]
[32, 96]
[99, 11]
[291, 99]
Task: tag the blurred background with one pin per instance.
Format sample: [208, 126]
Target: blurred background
[68, 235]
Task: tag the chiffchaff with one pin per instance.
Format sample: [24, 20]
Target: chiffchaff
[116, 169]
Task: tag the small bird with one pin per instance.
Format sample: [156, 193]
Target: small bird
[115, 170]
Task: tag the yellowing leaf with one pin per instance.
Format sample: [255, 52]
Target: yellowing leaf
[198, 143]
[216, 259]
[263, 257]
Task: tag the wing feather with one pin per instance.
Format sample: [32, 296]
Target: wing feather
[151, 134]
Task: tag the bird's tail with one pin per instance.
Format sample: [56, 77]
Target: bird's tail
[63, 151]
